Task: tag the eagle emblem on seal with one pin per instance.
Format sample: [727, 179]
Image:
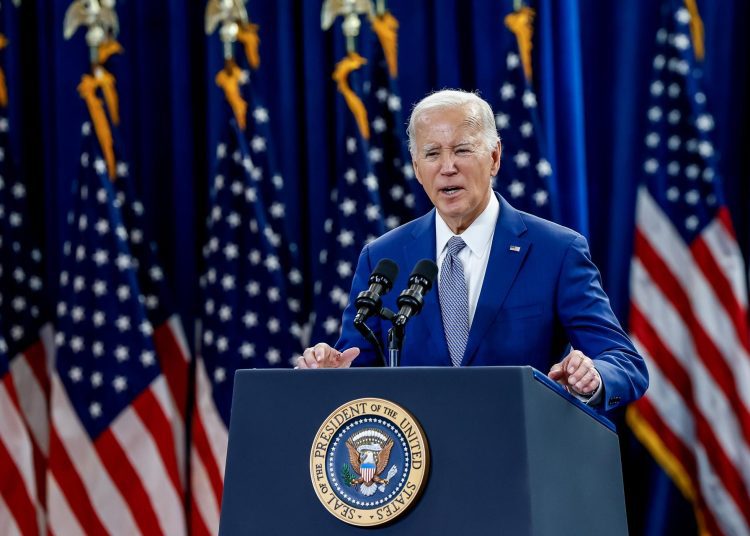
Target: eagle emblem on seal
[369, 451]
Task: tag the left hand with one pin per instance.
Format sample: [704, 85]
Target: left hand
[577, 373]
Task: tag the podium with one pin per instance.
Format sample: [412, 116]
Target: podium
[510, 453]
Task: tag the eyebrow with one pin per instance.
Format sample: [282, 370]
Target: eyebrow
[431, 146]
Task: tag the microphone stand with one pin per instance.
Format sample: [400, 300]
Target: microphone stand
[395, 336]
[396, 340]
[368, 334]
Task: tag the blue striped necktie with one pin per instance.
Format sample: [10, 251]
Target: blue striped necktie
[454, 301]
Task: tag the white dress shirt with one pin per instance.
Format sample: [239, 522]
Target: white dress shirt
[475, 256]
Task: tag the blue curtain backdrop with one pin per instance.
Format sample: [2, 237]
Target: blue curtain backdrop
[592, 61]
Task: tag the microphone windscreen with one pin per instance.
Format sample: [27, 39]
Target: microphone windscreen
[425, 268]
[386, 268]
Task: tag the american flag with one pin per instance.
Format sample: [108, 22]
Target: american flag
[355, 218]
[24, 383]
[168, 335]
[525, 175]
[266, 176]
[113, 464]
[388, 152]
[18, 488]
[688, 312]
[251, 292]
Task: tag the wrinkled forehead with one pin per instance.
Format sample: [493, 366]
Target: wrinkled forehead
[462, 121]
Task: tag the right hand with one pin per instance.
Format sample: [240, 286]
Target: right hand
[323, 356]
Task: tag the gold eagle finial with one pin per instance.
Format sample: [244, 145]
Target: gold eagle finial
[235, 25]
[100, 19]
[350, 10]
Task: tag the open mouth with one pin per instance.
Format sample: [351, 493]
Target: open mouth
[450, 190]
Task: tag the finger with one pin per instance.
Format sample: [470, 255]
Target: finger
[306, 361]
[555, 372]
[321, 351]
[591, 387]
[349, 355]
[582, 384]
[574, 358]
[595, 382]
[581, 368]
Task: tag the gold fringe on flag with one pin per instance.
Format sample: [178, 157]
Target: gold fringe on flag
[229, 79]
[521, 23]
[87, 89]
[696, 29]
[385, 27]
[667, 460]
[3, 86]
[108, 49]
[248, 36]
[351, 62]
[107, 85]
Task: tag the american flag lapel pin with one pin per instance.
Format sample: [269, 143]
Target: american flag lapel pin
[515, 249]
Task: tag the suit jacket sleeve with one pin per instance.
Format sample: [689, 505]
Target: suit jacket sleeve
[591, 326]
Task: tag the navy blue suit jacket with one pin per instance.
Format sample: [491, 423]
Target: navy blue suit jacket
[541, 292]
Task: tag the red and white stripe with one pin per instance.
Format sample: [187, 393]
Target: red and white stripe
[208, 452]
[368, 473]
[174, 358]
[689, 320]
[127, 480]
[18, 510]
[30, 371]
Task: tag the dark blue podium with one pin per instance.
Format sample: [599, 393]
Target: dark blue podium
[510, 452]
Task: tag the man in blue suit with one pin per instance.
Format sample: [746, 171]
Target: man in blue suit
[512, 289]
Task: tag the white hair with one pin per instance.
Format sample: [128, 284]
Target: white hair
[478, 111]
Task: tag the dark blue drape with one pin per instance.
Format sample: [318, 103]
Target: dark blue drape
[592, 61]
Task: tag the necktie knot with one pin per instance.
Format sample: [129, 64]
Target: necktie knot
[455, 245]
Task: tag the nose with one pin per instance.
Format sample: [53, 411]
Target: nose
[448, 163]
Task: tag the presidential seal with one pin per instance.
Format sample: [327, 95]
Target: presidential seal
[369, 462]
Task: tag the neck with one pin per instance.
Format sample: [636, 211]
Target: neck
[459, 225]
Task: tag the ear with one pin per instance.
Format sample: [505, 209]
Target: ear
[495, 155]
[417, 174]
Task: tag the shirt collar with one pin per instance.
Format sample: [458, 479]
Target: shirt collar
[477, 236]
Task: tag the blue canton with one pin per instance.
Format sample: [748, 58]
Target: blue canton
[105, 352]
[250, 317]
[679, 164]
[355, 218]
[525, 176]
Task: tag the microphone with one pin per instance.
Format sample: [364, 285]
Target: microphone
[410, 300]
[381, 281]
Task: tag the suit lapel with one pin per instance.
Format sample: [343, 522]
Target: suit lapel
[430, 327]
[507, 253]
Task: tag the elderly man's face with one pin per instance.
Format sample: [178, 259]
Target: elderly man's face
[454, 165]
